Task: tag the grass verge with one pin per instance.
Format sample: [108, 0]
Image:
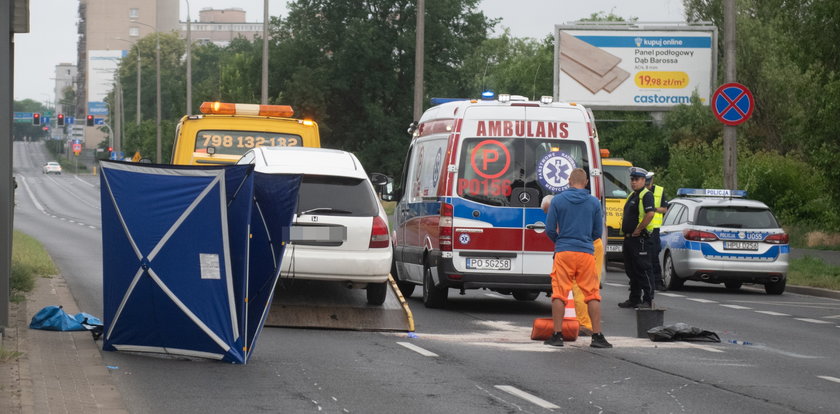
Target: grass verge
[29, 260]
[811, 271]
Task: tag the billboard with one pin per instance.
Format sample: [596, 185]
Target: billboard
[634, 67]
[102, 65]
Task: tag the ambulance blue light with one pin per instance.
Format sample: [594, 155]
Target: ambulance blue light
[439, 101]
[488, 95]
[711, 192]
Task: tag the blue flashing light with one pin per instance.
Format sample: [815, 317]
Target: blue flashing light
[488, 96]
[439, 101]
[711, 192]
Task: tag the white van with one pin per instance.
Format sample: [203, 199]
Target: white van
[340, 230]
[468, 208]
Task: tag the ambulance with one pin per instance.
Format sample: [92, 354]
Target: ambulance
[224, 131]
[616, 189]
[467, 212]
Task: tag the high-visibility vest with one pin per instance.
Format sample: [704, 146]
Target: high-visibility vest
[642, 193]
[658, 190]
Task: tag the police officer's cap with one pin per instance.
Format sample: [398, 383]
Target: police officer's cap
[638, 172]
[649, 176]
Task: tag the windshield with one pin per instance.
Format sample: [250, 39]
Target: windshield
[340, 196]
[616, 181]
[737, 218]
[237, 142]
[497, 171]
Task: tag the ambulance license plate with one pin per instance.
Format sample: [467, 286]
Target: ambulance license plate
[474, 263]
[740, 245]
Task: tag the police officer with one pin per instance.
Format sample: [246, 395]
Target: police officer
[636, 227]
[660, 207]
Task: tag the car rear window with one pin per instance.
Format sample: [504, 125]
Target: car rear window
[736, 217]
[344, 196]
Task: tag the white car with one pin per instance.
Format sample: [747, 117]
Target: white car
[340, 231]
[51, 167]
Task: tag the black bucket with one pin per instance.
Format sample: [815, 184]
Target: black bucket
[648, 318]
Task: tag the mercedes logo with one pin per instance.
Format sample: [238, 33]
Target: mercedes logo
[524, 198]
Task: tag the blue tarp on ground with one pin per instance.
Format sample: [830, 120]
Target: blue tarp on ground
[191, 256]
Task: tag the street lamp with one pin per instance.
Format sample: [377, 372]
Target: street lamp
[189, 62]
[157, 91]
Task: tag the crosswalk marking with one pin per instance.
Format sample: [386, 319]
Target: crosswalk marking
[811, 320]
[702, 300]
[417, 349]
[527, 397]
[735, 307]
[827, 378]
[673, 295]
[773, 313]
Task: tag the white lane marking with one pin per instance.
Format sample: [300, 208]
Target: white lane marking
[673, 295]
[73, 194]
[417, 349]
[615, 284]
[526, 396]
[93, 227]
[832, 317]
[702, 300]
[494, 295]
[827, 378]
[77, 177]
[736, 307]
[32, 196]
[773, 313]
[811, 320]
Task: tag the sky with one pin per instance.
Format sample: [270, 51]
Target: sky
[52, 28]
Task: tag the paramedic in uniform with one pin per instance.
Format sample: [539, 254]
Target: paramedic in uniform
[660, 207]
[636, 227]
[574, 221]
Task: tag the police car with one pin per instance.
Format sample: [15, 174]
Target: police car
[718, 236]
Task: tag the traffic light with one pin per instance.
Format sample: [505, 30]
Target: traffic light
[36, 119]
[110, 149]
[60, 120]
[89, 120]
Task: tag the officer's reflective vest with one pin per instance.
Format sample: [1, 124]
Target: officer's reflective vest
[657, 200]
[642, 193]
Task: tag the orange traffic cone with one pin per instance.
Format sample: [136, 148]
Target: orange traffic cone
[571, 326]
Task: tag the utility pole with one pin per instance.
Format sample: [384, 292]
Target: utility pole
[7, 56]
[189, 61]
[730, 147]
[419, 55]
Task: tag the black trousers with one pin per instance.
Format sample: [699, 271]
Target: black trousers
[636, 251]
[655, 267]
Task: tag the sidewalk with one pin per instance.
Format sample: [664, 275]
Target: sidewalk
[58, 372]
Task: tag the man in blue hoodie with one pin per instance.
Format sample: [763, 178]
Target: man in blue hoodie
[574, 221]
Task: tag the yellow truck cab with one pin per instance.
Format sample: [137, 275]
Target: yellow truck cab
[225, 131]
[616, 190]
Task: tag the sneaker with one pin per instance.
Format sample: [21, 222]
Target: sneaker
[644, 305]
[584, 331]
[598, 341]
[555, 340]
[628, 304]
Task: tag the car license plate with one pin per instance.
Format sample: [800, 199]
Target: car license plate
[614, 248]
[740, 245]
[487, 264]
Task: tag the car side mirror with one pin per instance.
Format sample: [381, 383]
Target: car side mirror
[384, 186]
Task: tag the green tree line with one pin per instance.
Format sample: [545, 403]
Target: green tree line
[349, 65]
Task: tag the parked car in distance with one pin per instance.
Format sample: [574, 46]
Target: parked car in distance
[719, 236]
[51, 167]
[340, 230]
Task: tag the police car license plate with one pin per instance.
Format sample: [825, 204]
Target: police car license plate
[487, 264]
[614, 248]
[740, 245]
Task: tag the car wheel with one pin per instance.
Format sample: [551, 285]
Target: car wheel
[775, 288]
[672, 281]
[433, 297]
[732, 285]
[376, 293]
[526, 295]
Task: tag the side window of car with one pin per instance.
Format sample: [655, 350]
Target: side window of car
[672, 215]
